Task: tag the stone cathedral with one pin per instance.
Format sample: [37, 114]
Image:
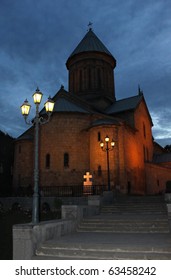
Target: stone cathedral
[83, 116]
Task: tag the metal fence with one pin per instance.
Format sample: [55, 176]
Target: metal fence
[58, 191]
[72, 191]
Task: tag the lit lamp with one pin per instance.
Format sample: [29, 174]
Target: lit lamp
[105, 148]
[49, 105]
[37, 96]
[25, 109]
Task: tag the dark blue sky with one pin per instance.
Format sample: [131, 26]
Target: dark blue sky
[37, 36]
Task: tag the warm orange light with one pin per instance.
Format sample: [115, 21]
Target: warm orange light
[101, 144]
[112, 143]
[107, 138]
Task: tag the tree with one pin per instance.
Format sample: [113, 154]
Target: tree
[168, 148]
[6, 162]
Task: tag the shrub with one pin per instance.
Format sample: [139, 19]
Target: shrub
[45, 207]
[16, 206]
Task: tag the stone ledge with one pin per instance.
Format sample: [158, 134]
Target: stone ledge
[27, 237]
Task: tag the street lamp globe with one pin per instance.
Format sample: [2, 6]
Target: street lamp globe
[37, 96]
[101, 144]
[107, 138]
[112, 143]
[25, 108]
[49, 105]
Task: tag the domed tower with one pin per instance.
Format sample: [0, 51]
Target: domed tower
[91, 72]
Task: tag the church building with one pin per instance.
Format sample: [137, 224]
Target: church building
[70, 143]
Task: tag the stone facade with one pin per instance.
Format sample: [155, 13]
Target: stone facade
[69, 144]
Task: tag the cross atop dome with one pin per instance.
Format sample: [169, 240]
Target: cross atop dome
[89, 26]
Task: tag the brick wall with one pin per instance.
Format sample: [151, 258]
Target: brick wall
[156, 178]
[23, 164]
[70, 133]
[65, 133]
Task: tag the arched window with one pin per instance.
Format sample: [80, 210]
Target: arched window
[98, 136]
[144, 153]
[81, 80]
[99, 78]
[73, 81]
[66, 160]
[99, 171]
[19, 149]
[89, 78]
[144, 130]
[47, 161]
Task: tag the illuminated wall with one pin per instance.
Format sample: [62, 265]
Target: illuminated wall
[23, 164]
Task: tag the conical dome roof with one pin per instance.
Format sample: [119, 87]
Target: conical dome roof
[90, 42]
[91, 74]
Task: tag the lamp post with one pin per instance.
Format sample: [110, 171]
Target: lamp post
[25, 109]
[106, 148]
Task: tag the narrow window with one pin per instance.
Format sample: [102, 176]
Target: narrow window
[47, 161]
[144, 153]
[81, 80]
[98, 136]
[73, 81]
[89, 78]
[99, 171]
[66, 160]
[147, 154]
[144, 130]
[19, 149]
[99, 78]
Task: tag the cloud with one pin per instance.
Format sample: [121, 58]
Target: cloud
[162, 127]
[38, 36]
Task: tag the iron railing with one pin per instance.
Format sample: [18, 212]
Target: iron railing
[60, 191]
[73, 191]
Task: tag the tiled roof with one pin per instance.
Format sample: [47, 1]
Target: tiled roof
[162, 158]
[27, 135]
[124, 104]
[105, 121]
[90, 42]
[65, 102]
[64, 105]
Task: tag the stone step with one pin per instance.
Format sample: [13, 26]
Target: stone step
[124, 230]
[124, 224]
[161, 204]
[108, 248]
[139, 198]
[134, 228]
[100, 255]
[124, 221]
[137, 207]
[142, 212]
[115, 256]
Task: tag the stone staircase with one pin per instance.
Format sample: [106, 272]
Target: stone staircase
[131, 228]
[130, 215]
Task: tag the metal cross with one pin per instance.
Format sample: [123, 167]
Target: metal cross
[90, 25]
